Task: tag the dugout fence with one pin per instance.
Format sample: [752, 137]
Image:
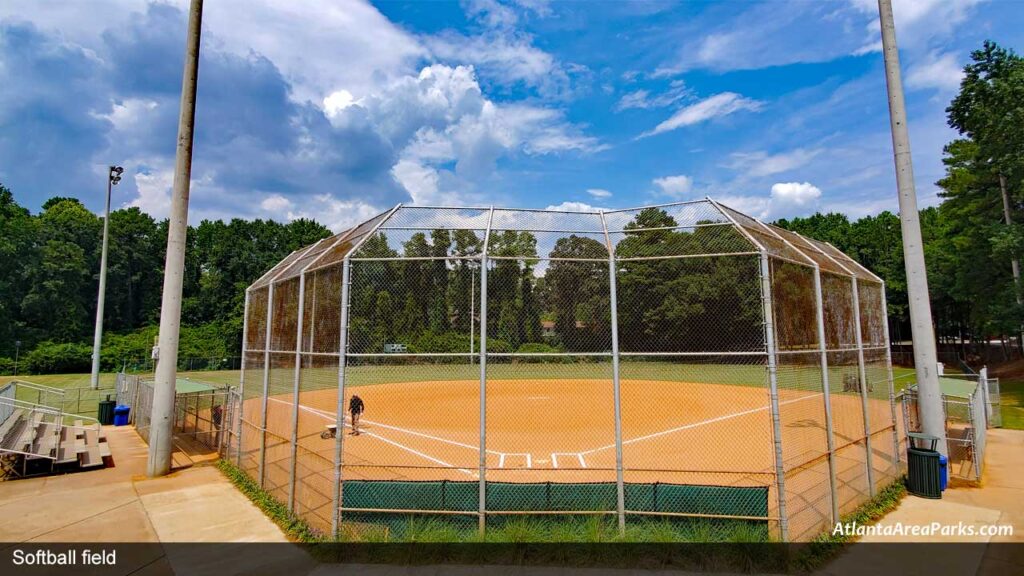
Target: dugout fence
[682, 363]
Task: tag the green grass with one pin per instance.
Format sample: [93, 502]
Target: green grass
[1012, 398]
[294, 527]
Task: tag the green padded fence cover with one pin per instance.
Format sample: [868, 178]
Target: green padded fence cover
[550, 496]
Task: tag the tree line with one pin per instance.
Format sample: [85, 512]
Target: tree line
[50, 270]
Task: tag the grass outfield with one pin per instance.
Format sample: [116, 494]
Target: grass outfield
[1012, 398]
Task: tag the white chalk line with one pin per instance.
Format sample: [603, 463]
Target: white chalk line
[578, 455]
[325, 414]
[701, 423]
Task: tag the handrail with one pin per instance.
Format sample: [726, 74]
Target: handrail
[30, 405]
[35, 386]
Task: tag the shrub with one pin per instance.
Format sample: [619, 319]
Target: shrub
[54, 358]
[6, 365]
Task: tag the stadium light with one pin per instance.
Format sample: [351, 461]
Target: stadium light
[113, 177]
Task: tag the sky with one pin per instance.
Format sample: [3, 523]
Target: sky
[339, 109]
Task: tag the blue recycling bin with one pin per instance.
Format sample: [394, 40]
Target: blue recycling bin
[943, 472]
[121, 415]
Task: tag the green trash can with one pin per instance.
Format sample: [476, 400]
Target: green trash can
[106, 412]
[924, 470]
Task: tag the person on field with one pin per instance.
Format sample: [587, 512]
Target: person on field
[355, 409]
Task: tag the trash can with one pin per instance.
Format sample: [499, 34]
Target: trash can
[121, 415]
[944, 472]
[106, 412]
[924, 467]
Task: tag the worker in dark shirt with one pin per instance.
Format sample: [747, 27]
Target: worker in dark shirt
[355, 409]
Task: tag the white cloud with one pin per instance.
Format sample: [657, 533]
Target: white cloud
[760, 163]
[154, 192]
[917, 21]
[275, 205]
[940, 72]
[449, 136]
[336, 214]
[786, 199]
[574, 207]
[129, 114]
[642, 99]
[712, 107]
[674, 186]
[599, 193]
[795, 192]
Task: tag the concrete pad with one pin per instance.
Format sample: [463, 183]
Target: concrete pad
[29, 518]
[126, 523]
[957, 518]
[120, 504]
[998, 501]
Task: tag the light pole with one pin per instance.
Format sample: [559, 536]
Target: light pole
[17, 354]
[161, 419]
[925, 358]
[113, 177]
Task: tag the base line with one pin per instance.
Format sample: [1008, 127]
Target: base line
[701, 423]
[383, 439]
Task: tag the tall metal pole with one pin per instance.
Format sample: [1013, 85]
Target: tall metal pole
[826, 392]
[925, 357]
[482, 487]
[862, 377]
[773, 393]
[113, 177]
[620, 491]
[160, 435]
[339, 414]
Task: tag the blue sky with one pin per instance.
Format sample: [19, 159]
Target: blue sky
[337, 109]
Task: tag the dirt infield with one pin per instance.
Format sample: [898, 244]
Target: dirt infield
[559, 430]
[562, 431]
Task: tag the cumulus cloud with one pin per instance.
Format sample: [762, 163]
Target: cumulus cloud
[674, 186]
[261, 150]
[707, 109]
[799, 193]
[599, 193]
[502, 53]
[786, 199]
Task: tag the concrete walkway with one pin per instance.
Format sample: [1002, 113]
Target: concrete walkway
[998, 501]
[120, 504]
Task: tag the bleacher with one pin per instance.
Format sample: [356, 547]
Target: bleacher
[39, 438]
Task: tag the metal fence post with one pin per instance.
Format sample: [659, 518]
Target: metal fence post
[773, 388]
[892, 388]
[241, 377]
[482, 493]
[620, 491]
[863, 390]
[266, 383]
[827, 394]
[295, 403]
[339, 420]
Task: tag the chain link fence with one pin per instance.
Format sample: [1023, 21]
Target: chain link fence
[682, 364]
[970, 405]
